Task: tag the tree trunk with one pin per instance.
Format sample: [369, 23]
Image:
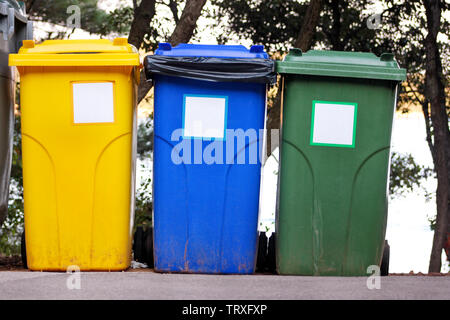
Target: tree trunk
[308, 30]
[143, 15]
[303, 42]
[182, 34]
[188, 22]
[335, 40]
[435, 93]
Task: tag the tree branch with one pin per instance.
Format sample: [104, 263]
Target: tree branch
[173, 5]
[29, 4]
[188, 22]
[415, 93]
[140, 26]
[426, 114]
[308, 29]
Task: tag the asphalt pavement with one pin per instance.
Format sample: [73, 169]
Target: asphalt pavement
[150, 285]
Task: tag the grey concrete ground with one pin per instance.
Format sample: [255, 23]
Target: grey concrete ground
[150, 285]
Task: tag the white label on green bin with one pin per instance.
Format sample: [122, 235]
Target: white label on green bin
[204, 116]
[333, 124]
[93, 102]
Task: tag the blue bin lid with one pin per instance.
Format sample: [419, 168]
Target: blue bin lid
[212, 51]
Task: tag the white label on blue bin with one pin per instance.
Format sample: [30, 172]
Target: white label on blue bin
[93, 102]
[204, 116]
[333, 124]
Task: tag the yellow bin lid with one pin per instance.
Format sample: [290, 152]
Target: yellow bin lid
[76, 53]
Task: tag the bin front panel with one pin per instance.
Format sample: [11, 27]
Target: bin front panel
[77, 166]
[333, 191]
[205, 215]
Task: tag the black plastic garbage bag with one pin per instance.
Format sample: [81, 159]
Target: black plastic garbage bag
[212, 69]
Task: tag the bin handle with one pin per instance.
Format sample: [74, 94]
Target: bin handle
[137, 73]
[295, 51]
[387, 56]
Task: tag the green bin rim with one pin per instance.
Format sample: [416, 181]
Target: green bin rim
[365, 65]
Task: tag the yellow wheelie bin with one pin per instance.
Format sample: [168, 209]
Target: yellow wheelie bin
[78, 111]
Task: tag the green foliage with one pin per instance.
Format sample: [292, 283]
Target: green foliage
[93, 19]
[406, 175]
[432, 222]
[163, 23]
[117, 22]
[273, 23]
[403, 31]
[56, 12]
[11, 230]
[145, 138]
[144, 202]
[276, 23]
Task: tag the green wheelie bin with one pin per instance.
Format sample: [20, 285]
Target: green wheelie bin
[336, 126]
[14, 27]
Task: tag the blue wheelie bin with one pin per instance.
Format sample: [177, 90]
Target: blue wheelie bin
[209, 115]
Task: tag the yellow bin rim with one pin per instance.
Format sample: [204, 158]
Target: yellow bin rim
[100, 52]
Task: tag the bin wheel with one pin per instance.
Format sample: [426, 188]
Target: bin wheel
[271, 259]
[23, 250]
[384, 269]
[262, 252]
[148, 247]
[138, 244]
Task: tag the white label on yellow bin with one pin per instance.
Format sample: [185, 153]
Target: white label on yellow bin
[93, 102]
[333, 124]
[204, 116]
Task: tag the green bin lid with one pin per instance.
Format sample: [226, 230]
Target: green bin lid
[341, 64]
